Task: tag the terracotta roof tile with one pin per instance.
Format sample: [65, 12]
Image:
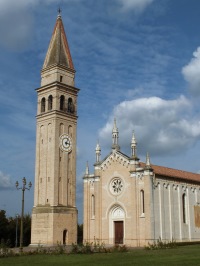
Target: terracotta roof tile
[174, 173]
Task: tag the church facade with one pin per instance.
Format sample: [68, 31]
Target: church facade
[134, 203]
[54, 215]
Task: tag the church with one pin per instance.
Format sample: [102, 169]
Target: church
[125, 201]
[135, 203]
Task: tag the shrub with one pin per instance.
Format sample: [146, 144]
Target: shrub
[159, 244]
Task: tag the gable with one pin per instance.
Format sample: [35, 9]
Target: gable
[116, 158]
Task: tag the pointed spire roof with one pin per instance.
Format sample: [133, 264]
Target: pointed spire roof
[115, 129]
[115, 136]
[133, 141]
[58, 52]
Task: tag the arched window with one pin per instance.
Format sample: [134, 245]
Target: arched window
[62, 102]
[50, 102]
[93, 206]
[142, 201]
[70, 106]
[184, 208]
[43, 105]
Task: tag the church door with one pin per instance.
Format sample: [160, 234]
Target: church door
[119, 232]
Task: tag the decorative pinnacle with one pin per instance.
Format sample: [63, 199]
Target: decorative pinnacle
[98, 148]
[134, 146]
[133, 141]
[115, 136]
[148, 163]
[115, 129]
[87, 169]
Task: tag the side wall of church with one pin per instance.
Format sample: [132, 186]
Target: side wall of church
[149, 207]
[176, 205]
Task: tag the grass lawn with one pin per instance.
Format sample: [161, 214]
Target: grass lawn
[187, 255]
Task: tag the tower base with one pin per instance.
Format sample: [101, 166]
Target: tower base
[53, 225]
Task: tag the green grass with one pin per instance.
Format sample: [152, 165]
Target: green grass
[187, 255]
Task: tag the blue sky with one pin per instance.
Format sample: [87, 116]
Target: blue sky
[136, 60]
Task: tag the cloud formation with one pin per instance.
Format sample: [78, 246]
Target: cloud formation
[136, 5]
[191, 73]
[5, 182]
[161, 126]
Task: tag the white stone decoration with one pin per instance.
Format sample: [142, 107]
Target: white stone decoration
[116, 186]
[118, 213]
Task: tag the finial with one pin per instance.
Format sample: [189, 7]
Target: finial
[115, 136]
[98, 152]
[59, 12]
[133, 141]
[98, 148]
[148, 163]
[115, 129]
[133, 146]
[87, 169]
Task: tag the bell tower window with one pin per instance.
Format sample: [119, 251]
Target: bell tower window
[62, 102]
[70, 106]
[43, 105]
[50, 102]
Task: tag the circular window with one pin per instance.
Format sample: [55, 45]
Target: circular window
[116, 186]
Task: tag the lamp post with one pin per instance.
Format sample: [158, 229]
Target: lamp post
[17, 216]
[23, 188]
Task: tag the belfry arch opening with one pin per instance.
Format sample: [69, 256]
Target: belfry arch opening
[50, 102]
[43, 102]
[62, 102]
[70, 106]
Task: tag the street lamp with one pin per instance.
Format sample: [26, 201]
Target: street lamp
[23, 188]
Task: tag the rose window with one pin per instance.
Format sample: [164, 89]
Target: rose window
[116, 186]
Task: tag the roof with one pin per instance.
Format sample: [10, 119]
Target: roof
[58, 51]
[174, 173]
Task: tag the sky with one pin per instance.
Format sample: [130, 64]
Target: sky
[136, 60]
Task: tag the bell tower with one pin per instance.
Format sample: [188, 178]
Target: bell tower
[54, 215]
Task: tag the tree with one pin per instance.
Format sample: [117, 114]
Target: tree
[3, 225]
[8, 229]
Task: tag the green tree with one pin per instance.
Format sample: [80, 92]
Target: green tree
[3, 226]
[27, 229]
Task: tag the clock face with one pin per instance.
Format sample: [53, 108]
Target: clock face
[65, 143]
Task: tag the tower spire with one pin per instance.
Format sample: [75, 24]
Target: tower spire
[58, 52]
[115, 136]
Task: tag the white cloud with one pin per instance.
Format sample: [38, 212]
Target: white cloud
[191, 73]
[136, 5]
[5, 181]
[161, 126]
